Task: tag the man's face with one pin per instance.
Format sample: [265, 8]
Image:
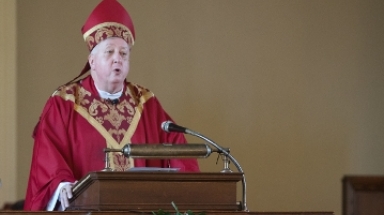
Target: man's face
[109, 63]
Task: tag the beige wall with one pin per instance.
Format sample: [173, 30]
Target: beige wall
[8, 154]
[294, 88]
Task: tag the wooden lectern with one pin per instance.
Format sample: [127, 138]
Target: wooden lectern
[363, 195]
[140, 193]
[151, 191]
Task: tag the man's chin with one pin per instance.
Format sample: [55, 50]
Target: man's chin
[118, 80]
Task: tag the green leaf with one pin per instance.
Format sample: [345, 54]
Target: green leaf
[188, 212]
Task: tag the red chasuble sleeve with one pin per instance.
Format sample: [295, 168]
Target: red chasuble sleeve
[50, 162]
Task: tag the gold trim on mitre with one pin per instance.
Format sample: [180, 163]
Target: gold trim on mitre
[95, 28]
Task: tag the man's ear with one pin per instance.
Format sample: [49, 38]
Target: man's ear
[91, 60]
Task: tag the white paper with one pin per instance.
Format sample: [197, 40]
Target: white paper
[152, 169]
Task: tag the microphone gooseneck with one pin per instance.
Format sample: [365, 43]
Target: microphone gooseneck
[169, 126]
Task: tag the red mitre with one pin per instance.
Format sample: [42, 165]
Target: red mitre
[108, 19]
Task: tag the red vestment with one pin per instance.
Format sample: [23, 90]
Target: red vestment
[76, 125]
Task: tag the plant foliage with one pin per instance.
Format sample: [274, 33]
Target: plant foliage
[188, 212]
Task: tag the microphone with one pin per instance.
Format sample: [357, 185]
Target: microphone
[114, 101]
[169, 126]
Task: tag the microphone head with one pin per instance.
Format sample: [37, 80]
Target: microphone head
[165, 126]
[169, 126]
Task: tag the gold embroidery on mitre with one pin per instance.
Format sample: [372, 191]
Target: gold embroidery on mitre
[105, 30]
[103, 33]
[90, 41]
[117, 30]
[128, 37]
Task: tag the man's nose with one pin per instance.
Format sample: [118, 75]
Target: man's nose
[117, 58]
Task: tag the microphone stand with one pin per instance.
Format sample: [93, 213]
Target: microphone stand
[223, 151]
